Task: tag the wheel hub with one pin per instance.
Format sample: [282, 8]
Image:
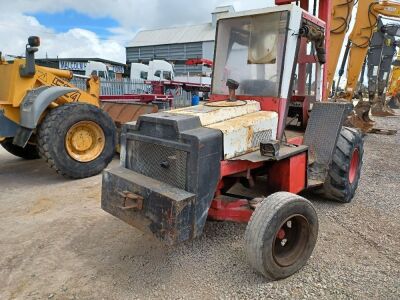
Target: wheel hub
[354, 163]
[291, 240]
[281, 234]
[85, 141]
[81, 140]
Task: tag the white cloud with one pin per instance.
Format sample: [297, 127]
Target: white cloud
[132, 15]
[15, 29]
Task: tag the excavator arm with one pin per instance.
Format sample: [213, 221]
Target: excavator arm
[380, 56]
[360, 37]
[340, 21]
[394, 85]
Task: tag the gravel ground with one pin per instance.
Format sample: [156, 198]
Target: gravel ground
[56, 243]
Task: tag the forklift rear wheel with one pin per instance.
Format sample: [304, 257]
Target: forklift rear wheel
[281, 235]
[29, 152]
[342, 179]
[77, 140]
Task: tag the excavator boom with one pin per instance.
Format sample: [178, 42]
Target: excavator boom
[340, 22]
[360, 37]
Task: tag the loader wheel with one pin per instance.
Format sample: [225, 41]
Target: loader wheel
[77, 140]
[281, 235]
[29, 152]
[344, 174]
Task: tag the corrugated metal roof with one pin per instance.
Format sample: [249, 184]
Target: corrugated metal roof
[175, 35]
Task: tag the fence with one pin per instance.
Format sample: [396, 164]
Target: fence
[117, 87]
[134, 86]
[183, 99]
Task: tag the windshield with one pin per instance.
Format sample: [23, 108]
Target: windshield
[167, 75]
[111, 74]
[250, 50]
[143, 75]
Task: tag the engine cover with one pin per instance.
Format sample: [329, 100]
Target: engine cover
[242, 123]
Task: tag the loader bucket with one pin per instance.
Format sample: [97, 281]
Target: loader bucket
[123, 112]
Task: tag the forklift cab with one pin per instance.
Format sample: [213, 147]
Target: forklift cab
[263, 52]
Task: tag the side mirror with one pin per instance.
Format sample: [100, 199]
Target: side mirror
[29, 70]
[34, 41]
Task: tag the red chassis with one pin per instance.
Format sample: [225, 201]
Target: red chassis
[292, 178]
[292, 170]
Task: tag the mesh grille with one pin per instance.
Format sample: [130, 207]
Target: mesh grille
[159, 162]
[323, 129]
[261, 136]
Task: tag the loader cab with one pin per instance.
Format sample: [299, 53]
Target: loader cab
[262, 51]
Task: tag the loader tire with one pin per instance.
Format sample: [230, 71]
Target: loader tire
[344, 173]
[77, 140]
[29, 152]
[281, 235]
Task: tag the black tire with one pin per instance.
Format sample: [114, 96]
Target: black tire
[29, 152]
[343, 176]
[52, 134]
[264, 249]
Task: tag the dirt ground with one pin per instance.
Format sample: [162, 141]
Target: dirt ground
[56, 243]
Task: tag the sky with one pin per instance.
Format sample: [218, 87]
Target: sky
[97, 28]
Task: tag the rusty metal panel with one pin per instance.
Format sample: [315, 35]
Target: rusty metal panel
[124, 112]
[180, 153]
[244, 134]
[152, 206]
[219, 111]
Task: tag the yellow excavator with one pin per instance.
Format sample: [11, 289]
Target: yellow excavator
[43, 115]
[357, 47]
[394, 84]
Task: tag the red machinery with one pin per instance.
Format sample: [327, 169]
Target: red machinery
[199, 61]
[182, 167]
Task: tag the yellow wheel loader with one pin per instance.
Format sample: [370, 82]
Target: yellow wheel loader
[43, 115]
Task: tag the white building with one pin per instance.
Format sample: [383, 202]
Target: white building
[177, 44]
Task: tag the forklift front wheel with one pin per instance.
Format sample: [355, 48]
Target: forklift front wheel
[281, 235]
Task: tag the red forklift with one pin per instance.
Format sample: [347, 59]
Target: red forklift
[182, 167]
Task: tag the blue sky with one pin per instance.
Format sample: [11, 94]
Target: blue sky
[73, 19]
[97, 28]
